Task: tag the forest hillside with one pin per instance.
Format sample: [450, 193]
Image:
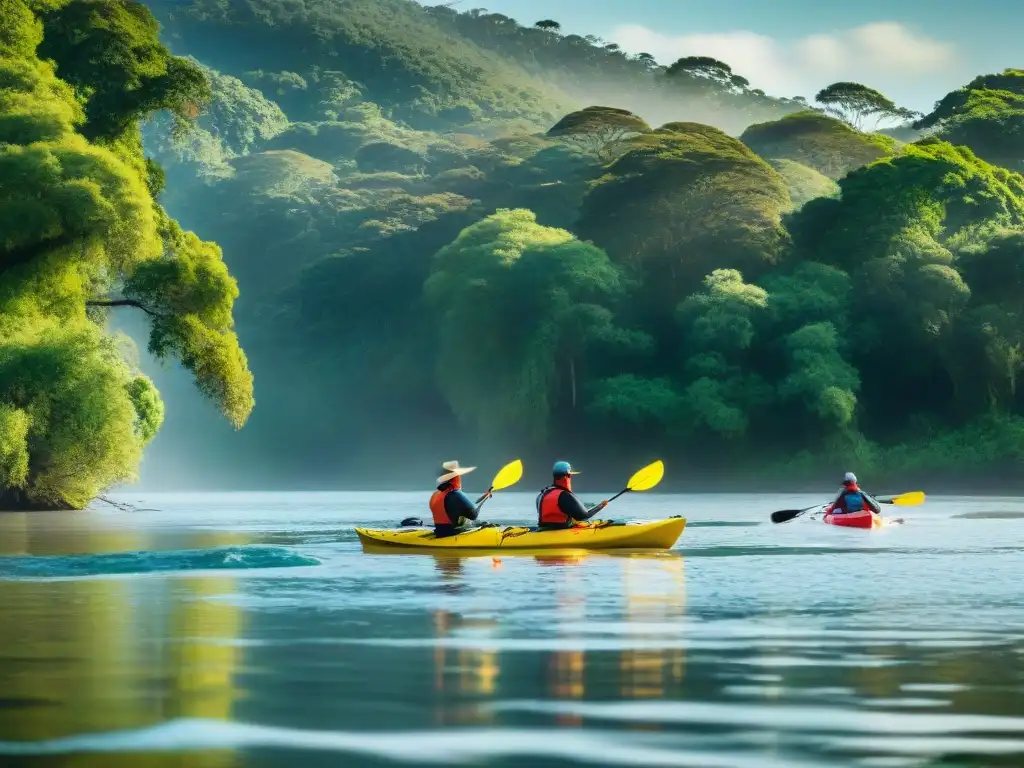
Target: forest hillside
[455, 234]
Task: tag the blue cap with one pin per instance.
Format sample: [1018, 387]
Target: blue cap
[562, 468]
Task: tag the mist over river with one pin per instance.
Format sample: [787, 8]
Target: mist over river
[252, 630]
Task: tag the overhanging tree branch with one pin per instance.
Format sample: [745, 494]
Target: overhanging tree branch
[122, 303]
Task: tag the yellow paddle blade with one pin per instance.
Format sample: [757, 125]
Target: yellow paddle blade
[510, 474]
[912, 499]
[647, 478]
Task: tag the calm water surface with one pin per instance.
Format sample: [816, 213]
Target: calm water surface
[251, 630]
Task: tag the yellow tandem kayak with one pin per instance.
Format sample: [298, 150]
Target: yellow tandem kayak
[598, 534]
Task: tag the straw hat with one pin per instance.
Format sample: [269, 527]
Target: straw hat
[454, 470]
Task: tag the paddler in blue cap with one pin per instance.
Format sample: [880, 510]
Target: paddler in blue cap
[558, 506]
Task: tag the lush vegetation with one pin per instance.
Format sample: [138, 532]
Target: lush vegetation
[456, 233]
[682, 264]
[82, 234]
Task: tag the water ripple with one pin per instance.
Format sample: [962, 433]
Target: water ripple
[121, 563]
[463, 746]
[820, 719]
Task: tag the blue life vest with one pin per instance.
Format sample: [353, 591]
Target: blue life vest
[853, 501]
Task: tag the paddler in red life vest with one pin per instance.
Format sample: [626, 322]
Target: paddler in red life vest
[451, 507]
[557, 505]
[852, 499]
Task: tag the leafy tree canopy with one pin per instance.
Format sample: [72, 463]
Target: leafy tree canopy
[600, 130]
[986, 115]
[80, 232]
[394, 51]
[111, 54]
[856, 104]
[824, 143]
[529, 293]
[932, 189]
[707, 201]
[803, 182]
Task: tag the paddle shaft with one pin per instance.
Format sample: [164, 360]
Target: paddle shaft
[613, 498]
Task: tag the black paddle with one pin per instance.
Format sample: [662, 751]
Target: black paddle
[785, 515]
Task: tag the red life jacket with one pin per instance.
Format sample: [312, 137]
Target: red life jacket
[437, 506]
[548, 512]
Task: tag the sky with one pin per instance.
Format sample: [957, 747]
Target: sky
[914, 51]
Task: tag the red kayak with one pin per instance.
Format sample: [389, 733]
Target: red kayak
[865, 518]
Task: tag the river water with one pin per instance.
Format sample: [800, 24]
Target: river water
[251, 630]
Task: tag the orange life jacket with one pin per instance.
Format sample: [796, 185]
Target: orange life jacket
[548, 512]
[437, 506]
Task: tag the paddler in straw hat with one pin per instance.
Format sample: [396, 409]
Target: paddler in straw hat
[451, 507]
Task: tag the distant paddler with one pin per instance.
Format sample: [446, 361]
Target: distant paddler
[452, 509]
[852, 499]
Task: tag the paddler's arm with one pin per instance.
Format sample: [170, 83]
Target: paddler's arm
[573, 507]
[872, 504]
[832, 507]
[457, 504]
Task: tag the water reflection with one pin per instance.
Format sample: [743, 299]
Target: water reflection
[655, 595]
[567, 665]
[73, 533]
[106, 654]
[451, 570]
[60, 533]
[464, 675]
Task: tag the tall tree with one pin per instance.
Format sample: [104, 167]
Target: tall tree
[856, 104]
[82, 232]
[528, 296]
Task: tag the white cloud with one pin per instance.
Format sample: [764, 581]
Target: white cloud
[880, 54]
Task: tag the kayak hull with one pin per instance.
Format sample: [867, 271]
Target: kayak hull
[865, 519]
[600, 534]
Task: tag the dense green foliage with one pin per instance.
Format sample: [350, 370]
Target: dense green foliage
[435, 68]
[828, 145]
[986, 115]
[803, 182]
[455, 232]
[82, 232]
[684, 200]
[600, 130]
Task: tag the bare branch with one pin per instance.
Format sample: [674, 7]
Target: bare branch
[122, 303]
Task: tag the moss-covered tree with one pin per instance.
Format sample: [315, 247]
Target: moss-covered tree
[824, 143]
[533, 298]
[599, 130]
[81, 232]
[986, 115]
[706, 201]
